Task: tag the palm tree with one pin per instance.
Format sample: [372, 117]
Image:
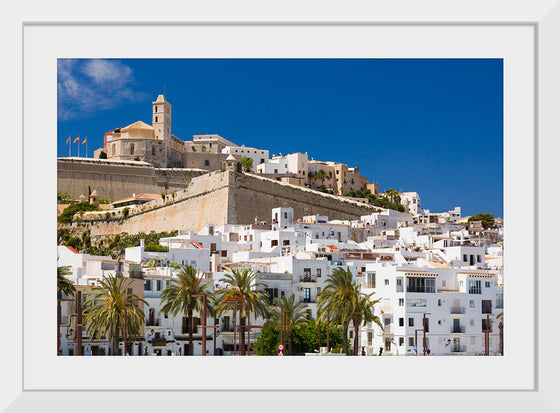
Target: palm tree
[341, 296]
[104, 310]
[179, 297]
[365, 314]
[296, 314]
[393, 195]
[63, 284]
[321, 175]
[242, 288]
[501, 329]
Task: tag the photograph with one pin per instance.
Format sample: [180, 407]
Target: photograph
[314, 207]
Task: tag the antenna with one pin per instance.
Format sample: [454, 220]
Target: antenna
[164, 90]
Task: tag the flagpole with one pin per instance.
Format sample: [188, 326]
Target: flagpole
[78, 149]
[70, 150]
[69, 145]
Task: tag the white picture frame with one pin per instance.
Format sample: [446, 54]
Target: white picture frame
[538, 392]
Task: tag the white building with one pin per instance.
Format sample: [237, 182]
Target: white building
[455, 304]
[259, 156]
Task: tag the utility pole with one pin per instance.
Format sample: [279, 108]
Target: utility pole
[487, 332]
[79, 351]
[416, 338]
[424, 330]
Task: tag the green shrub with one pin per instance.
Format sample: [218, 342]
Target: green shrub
[73, 209]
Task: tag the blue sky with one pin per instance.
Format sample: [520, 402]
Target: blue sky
[433, 126]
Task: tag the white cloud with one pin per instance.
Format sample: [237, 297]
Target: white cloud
[86, 86]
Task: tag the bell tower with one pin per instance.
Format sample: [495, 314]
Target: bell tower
[161, 119]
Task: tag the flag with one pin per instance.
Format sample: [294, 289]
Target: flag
[85, 140]
[68, 140]
[77, 139]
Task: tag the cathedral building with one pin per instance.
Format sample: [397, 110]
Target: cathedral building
[156, 144]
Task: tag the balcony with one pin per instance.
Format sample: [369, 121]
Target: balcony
[152, 323]
[307, 300]
[306, 278]
[457, 310]
[457, 329]
[459, 349]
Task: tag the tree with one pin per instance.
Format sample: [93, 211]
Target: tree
[242, 289]
[501, 332]
[341, 296]
[365, 315]
[305, 339]
[487, 220]
[73, 209]
[393, 195]
[179, 297]
[295, 315]
[321, 175]
[247, 163]
[63, 284]
[104, 310]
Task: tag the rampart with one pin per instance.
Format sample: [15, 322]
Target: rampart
[218, 198]
[114, 180]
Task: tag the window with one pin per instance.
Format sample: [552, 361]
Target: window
[484, 324]
[473, 341]
[274, 242]
[158, 288]
[478, 258]
[443, 283]
[471, 303]
[156, 119]
[486, 306]
[465, 259]
[286, 242]
[475, 287]
[370, 338]
[411, 341]
[401, 341]
[421, 285]
[471, 322]
[272, 293]
[285, 215]
[487, 284]
[499, 300]
[132, 149]
[426, 324]
[401, 302]
[416, 302]
[370, 280]
[387, 321]
[401, 322]
[386, 282]
[148, 285]
[307, 271]
[262, 160]
[206, 162]
[411, 322]
[153, 150]
[439, 302]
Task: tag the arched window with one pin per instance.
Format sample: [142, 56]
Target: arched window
[132, 149]
[156, 119]
[153, 149]
[114, 149]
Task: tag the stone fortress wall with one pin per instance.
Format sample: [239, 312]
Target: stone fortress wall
[218, 198]
[114, 180]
